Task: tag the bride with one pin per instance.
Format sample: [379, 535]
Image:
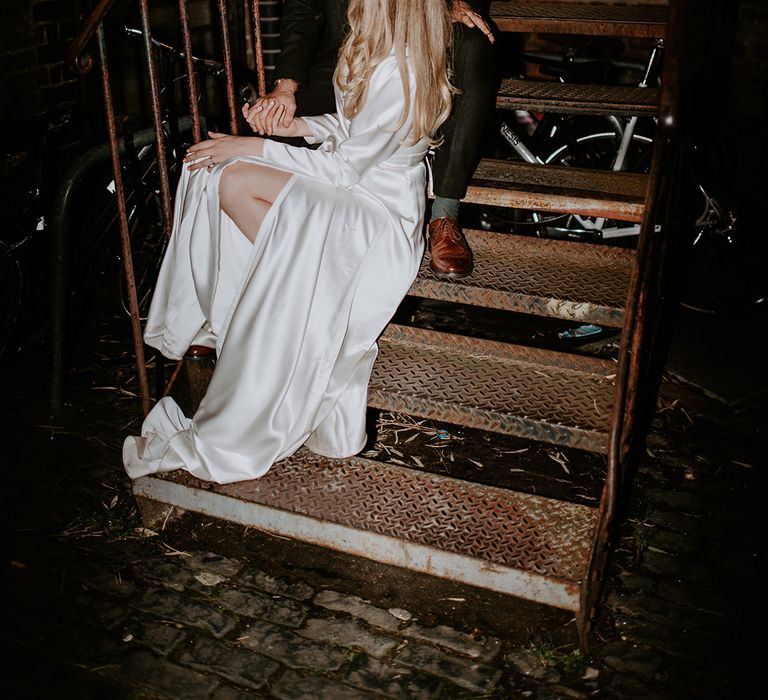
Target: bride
[290, 261]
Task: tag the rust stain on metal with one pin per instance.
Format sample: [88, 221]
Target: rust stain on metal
[228, 73]
[527, 392]
[569, 98]
[192, 94]
[575, 204]
[599, 19]
[258, 48]
[541, 536]
[77, 60]
[559, 279]
[157, 118]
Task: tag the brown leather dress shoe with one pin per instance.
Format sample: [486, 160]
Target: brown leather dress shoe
[451, 256]
[200, 351]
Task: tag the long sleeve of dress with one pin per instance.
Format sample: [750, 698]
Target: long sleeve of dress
[322, 126]
[343, 160]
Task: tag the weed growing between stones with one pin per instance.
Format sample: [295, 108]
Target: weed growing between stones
[564, 658]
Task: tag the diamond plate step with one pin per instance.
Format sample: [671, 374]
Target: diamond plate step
[571, 98]
[589, 19]
[507, 183]
[527, 392]
[558, 279]
[524, 545]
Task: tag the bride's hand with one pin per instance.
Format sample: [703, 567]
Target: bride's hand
[221, 147]
[266, 116]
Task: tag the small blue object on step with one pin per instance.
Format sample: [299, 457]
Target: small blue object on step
[584, 331]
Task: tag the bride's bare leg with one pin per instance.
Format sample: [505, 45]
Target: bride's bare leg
[246, 192]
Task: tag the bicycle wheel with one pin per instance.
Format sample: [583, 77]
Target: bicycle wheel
[597, 151]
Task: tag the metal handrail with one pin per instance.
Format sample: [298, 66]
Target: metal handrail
[77, 60]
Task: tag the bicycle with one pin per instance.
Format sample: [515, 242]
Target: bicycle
[602, 142]
[611, 143]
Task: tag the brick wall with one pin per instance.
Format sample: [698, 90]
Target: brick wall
[34, 35]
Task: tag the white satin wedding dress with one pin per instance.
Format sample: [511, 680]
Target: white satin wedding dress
[294, 316]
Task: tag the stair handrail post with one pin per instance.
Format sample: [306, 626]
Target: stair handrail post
[157, 117]
[125, 236]
[258, 46]
[226, 48]
[192, 91]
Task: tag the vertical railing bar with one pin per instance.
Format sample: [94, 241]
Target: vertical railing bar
[227, 50]
[258, 49]
[192, 93]
[157, 118]
[125, 237]
[246, 7]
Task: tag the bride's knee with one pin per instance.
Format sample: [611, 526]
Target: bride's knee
[231, 183]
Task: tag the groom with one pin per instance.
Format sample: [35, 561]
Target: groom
[311, 32]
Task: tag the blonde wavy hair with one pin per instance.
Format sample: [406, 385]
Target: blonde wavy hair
[422, 28]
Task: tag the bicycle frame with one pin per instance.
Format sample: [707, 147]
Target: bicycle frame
[651, 69]
[626, 131]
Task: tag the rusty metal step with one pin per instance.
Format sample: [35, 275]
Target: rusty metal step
[558, 279]
[577, 282]
[511, 183]
[572, 98]
[523, 545]
[532, 393]
[589, 19]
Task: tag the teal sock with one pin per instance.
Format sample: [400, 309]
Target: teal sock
[443, 206]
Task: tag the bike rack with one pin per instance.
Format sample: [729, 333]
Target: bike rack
[60, 239]
[82, 63]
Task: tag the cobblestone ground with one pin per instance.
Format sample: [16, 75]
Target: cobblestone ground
[98, 607]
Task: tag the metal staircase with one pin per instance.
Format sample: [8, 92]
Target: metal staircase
[545, 549]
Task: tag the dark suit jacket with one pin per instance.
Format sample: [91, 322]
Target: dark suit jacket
[311, 32]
